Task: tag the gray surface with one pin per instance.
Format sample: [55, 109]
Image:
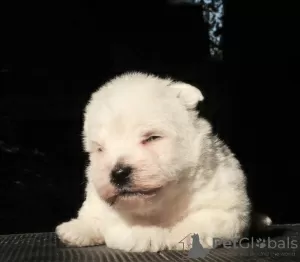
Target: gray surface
[44, 247]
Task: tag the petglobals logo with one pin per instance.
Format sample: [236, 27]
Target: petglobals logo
[247, 243]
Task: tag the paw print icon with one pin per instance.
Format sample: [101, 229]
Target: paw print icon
[261, 243]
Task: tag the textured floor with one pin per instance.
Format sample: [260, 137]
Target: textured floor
[45, 247]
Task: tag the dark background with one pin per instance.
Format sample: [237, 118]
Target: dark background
[54, 54]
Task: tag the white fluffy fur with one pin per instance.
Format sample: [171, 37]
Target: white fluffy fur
[203, 187]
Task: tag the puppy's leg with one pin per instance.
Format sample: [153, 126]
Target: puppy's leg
[209, 224]
[79, 232]
[85, 230]
[136, 238]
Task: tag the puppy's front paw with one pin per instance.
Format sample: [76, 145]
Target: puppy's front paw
[78, 233]
[136, 239]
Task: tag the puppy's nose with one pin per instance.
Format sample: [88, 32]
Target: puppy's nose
[120, 175]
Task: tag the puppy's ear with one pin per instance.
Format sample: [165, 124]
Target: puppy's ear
[188, 94]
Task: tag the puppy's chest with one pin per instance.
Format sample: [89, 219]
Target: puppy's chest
[166, 216]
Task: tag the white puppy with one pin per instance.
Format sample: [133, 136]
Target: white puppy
[156, 172]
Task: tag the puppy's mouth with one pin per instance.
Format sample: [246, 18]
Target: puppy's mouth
[138, 193]
[132, 195]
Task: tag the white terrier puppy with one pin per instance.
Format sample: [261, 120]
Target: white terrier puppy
[156, 172]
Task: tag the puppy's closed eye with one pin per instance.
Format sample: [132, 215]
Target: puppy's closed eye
[96, 147]
[150, 139]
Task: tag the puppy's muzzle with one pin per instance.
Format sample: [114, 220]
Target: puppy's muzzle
[121, 175]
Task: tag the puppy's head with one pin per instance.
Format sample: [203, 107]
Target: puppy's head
[139, 132]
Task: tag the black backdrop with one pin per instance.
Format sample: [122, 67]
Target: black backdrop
[55, 53]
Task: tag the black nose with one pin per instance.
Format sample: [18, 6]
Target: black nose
[120, 175]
